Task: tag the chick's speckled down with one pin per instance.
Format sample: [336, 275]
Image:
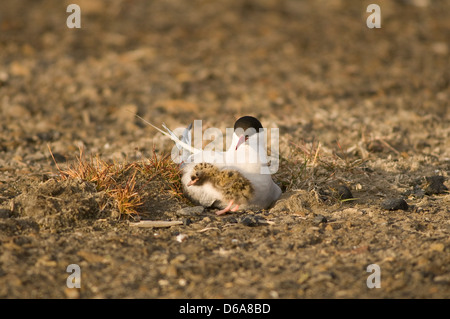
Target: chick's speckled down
[231, 183]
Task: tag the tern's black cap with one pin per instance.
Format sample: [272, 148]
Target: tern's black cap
[247, 122]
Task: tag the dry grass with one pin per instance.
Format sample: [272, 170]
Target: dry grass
[163, 167]
[119, 180]
[309, 165]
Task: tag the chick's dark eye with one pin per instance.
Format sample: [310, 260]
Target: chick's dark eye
[192, 178]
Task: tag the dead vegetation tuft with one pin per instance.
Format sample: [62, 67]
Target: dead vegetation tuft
[311, 167]
[122, 181]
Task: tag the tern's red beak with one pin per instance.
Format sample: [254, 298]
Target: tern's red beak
[241, 140]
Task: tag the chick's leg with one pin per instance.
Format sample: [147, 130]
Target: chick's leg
[226, 209]
[235, 208]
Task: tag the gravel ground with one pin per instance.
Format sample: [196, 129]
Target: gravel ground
[372, 104]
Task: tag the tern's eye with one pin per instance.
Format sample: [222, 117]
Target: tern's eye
[192, 178]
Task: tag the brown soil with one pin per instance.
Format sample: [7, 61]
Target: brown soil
[375, 99]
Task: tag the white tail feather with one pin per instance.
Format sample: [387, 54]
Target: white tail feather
[173, 137]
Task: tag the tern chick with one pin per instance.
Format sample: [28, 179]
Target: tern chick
[234, 187]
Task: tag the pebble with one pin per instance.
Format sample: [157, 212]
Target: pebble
[250, 220]
[394, 204]
[181, 238]
[191, 211]
[319, 219]
[230, 219]
[302, 278]
[206, 220]
[344, 192]
[182, 282]
[435, 185]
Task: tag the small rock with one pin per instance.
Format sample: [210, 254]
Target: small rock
[394, 204]
[319, 219]
[344, 192]
[437, 247]
[163, 282]
[182, 282]
[302, 278]
[230, 219]
[206, 220]
[435, 185]
[191, 211]
[181, 238]
[250, 220]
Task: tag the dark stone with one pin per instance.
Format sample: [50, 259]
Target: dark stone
[231, 220]
[435, 185]
[319, 219]
[344, 192]
[250, 220]
[394, 204]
